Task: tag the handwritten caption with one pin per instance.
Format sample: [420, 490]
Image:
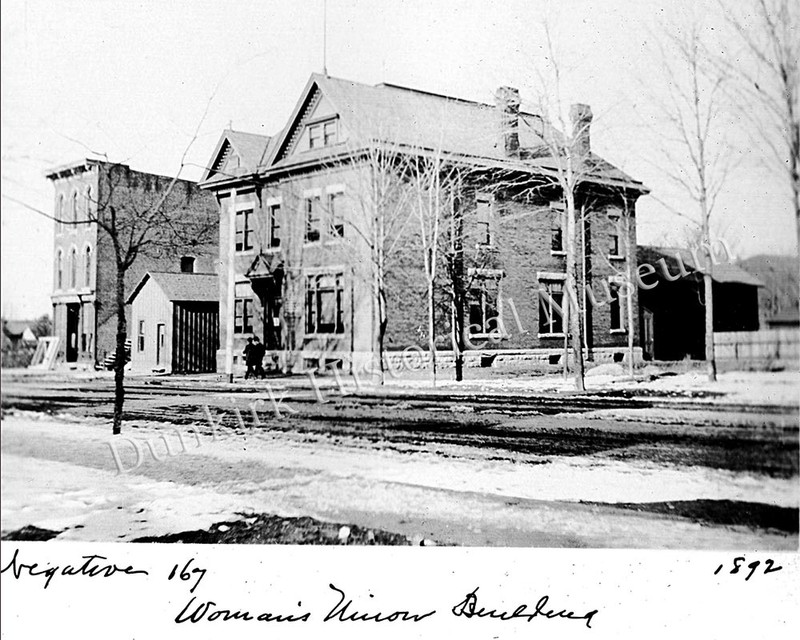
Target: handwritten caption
[341, 607]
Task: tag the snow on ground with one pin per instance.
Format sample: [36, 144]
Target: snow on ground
[781, 388]
[301, 475]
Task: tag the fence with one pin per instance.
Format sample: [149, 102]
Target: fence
[759, 346]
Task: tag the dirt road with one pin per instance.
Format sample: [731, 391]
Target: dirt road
[454, 472]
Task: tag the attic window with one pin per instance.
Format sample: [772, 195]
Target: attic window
[322, 134]
[187, 264]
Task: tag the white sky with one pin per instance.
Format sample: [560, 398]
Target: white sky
[132, 79]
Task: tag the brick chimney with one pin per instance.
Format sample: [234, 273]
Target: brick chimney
[581, 117]
[507, 104]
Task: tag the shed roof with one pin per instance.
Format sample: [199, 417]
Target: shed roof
[723, 272]
[182, 287]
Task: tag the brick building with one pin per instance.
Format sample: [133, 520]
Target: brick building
[84, 310]
[298, 214]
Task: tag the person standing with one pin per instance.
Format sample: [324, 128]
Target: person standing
[258, 357]
[249, 358]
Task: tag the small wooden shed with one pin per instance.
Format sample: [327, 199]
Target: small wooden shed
[175, 323]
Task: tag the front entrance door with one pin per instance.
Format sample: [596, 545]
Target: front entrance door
[270, 295]
[73, 322]
[647, 331]
[161, 333]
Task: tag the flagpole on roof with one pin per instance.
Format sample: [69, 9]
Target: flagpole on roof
[325, 38]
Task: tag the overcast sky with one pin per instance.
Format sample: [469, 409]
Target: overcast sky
[132, 80]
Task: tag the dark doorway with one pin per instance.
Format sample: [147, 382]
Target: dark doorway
[161, 332]
[647, 334]
[73, 322]
[269, 291]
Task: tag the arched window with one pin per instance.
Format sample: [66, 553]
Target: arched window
[60, 213]
[73, 268]
[59, 269]
[87, 267]
[87, 213]
[74, 209]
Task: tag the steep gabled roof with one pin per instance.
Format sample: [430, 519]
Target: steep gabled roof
[416, 119]
[249, 148]
[724, 272]
[182, 287]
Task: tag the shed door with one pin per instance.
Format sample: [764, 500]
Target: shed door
[161, 333]
[647, 329]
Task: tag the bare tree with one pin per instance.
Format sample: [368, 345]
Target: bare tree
[140, 223]
[698, 162]
[768, 76]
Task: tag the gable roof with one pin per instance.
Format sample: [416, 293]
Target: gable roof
[249, 147]
[724, 272]
[387, 113]
[18, 329]
[182, 287]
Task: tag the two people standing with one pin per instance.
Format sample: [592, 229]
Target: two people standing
[254, 352]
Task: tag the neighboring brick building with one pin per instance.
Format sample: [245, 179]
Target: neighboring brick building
[297, 268]
[672, 300]
[84, 309]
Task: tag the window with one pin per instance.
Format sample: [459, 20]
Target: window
[187, 264]
[243, 315]
[615, 249]
[140, 337]
[74, 209]
[60, 214]
[315, 136]
[329, 133]
[87, 209]
[73, 268]
[312, 219]
[482, 306]
[557, 236]
[244, 230]
[484, 219]
[335, 213]
[557, 228]
[59, 269]
[274, 239]
[324, 304]
[615, 308]
[551, 300]
[322, 134]
[87, 267]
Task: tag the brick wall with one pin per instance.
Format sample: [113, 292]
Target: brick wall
[128, 191]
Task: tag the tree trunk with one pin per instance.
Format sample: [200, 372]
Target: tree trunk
[119, 362]
[431, 331]
[631, 258]
[708, 293]
[571, 284]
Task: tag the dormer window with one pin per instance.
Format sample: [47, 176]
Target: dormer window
[322, 134]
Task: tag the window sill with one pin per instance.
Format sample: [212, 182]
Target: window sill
[324, 336]
[616, 257]
[489, 336]
[558, 253]
[550, 335]
[245, 252]
[618, 331]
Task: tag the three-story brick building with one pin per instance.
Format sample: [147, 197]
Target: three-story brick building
[300, 213]
[84, 309]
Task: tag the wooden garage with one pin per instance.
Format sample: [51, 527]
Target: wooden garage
[175, 323]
